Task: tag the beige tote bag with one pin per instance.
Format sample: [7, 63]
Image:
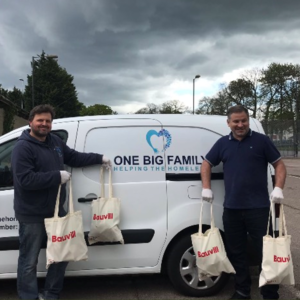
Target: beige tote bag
[277, 263]
[65, 235]
[211, 257]
[105, 215]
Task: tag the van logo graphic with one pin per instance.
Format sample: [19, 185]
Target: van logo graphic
[164, 133]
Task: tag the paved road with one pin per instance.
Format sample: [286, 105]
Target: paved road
[159, 287]
[292, 211]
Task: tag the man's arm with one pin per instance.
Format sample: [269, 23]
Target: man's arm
[205, 175]
[207, 194]
[77, 159]
[280, 173]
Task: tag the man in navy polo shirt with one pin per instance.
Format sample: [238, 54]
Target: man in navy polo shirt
[245, 155]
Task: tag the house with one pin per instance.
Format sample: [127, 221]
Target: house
[20, 117]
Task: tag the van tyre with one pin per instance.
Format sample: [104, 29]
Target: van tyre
[182, 271]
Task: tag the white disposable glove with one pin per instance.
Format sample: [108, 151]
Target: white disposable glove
[65, 176]
[277, 195]
[207, 195]
[106, 163]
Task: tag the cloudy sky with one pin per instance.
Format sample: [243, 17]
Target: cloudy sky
[127, 53]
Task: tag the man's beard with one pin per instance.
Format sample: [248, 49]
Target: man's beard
[38, 133]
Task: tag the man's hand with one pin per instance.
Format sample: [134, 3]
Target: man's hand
[277, 195]
[65, 176]
[207, 195]
[106, 163]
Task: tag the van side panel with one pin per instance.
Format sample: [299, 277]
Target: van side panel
[138, 177]
[183, 160]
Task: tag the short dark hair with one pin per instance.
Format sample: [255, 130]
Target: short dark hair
[237, 109]
[40, 109]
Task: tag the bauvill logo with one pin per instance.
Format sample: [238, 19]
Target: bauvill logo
[165, 133]
[281, 259]
[209, 252]
[71, 235]
[103, 217]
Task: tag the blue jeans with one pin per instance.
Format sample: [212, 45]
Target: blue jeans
[237, 224]
[32, 236]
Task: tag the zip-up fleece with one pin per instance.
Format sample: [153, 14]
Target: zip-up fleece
[36, 173]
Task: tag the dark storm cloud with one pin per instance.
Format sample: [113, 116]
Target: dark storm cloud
[123, 51]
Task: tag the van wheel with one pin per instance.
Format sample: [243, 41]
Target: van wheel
[182, 271]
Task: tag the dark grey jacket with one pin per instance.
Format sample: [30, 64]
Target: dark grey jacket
[36, 173]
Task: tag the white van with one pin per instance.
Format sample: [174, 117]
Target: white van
[156, 174]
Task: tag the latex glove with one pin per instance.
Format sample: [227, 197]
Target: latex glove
[65, 176]
[106, 163]
[277, 195]
[207, 195]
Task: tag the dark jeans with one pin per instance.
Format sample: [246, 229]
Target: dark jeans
[32, 236]
[237, 223]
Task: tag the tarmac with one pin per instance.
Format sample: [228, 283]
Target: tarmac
[291, 193]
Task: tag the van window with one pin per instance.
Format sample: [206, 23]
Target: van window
[6, 180]
[61, 133]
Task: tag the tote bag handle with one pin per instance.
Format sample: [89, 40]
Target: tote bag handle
[110, 189]
[282, 221]
[71, 205]
[212, 220]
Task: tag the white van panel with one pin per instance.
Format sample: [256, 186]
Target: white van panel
[9, 226]
[184, 157]
[137, 180]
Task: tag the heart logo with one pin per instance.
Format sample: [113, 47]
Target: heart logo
[165, 133]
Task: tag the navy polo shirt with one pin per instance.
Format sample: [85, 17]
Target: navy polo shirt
[245, 166]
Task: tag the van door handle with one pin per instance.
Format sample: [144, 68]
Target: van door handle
[86, 199]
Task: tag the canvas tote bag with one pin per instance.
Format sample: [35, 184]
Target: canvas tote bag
[105, 215]
[277, 264]
[211, 258]
[65, 235]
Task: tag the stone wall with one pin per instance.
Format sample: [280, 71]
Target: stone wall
[18, 121]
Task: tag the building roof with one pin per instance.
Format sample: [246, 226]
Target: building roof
[19, 111]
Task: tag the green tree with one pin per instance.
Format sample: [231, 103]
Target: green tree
[169, 107]
[151, 108]
[216, 105]
[172, 107]
[143, 111]
[11, 109]
[3, 91]
[240, 91]
[280, 83]
[274, 84]
[16, 96]
[52, 85]
[97, 109]
[246, 91]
